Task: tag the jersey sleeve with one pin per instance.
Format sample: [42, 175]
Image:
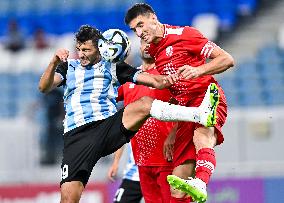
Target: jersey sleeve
[62, 70]
[126, 73]
[196, 43]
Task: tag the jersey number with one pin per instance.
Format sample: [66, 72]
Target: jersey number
[64, 172]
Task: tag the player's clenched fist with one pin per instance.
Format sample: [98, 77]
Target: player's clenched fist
[62, 54]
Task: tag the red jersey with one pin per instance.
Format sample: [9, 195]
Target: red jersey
[147, 144]
[183, 46]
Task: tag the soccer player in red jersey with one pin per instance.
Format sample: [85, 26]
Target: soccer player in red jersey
[154, 163]
[183, 51]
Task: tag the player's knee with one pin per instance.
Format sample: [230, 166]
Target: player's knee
[145, 104]
[204, 137]
[69, 196]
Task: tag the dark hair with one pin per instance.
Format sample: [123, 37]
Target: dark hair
[87, 32]
[136, 10]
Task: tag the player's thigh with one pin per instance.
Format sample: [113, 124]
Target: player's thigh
[116, 135]
[128, 192]
[136, 113]
[204, 137]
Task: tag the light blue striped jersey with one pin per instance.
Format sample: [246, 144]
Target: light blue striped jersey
[90, 92]
[131, 170]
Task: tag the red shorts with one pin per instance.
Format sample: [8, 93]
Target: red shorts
[154, 185]
[184, 148]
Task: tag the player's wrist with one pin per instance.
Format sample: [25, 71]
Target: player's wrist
[203, 70]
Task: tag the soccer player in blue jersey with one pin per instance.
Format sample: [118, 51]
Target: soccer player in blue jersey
[93, 127]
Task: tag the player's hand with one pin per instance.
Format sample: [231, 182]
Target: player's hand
[189, 72]
[112, 172]
[170, 79]
[61, 55]
[168, 148]
[162, 81]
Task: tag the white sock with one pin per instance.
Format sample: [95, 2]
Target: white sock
[165, 111]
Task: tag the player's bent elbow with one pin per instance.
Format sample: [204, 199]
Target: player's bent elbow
[231, 61]
[146, 102]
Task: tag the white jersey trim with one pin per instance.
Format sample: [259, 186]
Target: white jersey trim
[207, 49]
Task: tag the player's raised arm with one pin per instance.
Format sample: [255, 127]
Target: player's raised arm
[126, 73]
[221, 61]
[156, 81]
[50, 79]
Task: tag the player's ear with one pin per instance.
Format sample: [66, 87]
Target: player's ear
[153, 16]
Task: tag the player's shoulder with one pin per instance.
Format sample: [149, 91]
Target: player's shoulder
[127, 85]
[191, 31]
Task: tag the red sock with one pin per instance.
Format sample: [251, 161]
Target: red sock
[205, 164]
[180, 200]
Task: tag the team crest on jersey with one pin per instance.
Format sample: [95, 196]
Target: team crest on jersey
[169, 50]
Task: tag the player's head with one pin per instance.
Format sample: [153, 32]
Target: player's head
[142, 19]
[87, 45]
[145, 56]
